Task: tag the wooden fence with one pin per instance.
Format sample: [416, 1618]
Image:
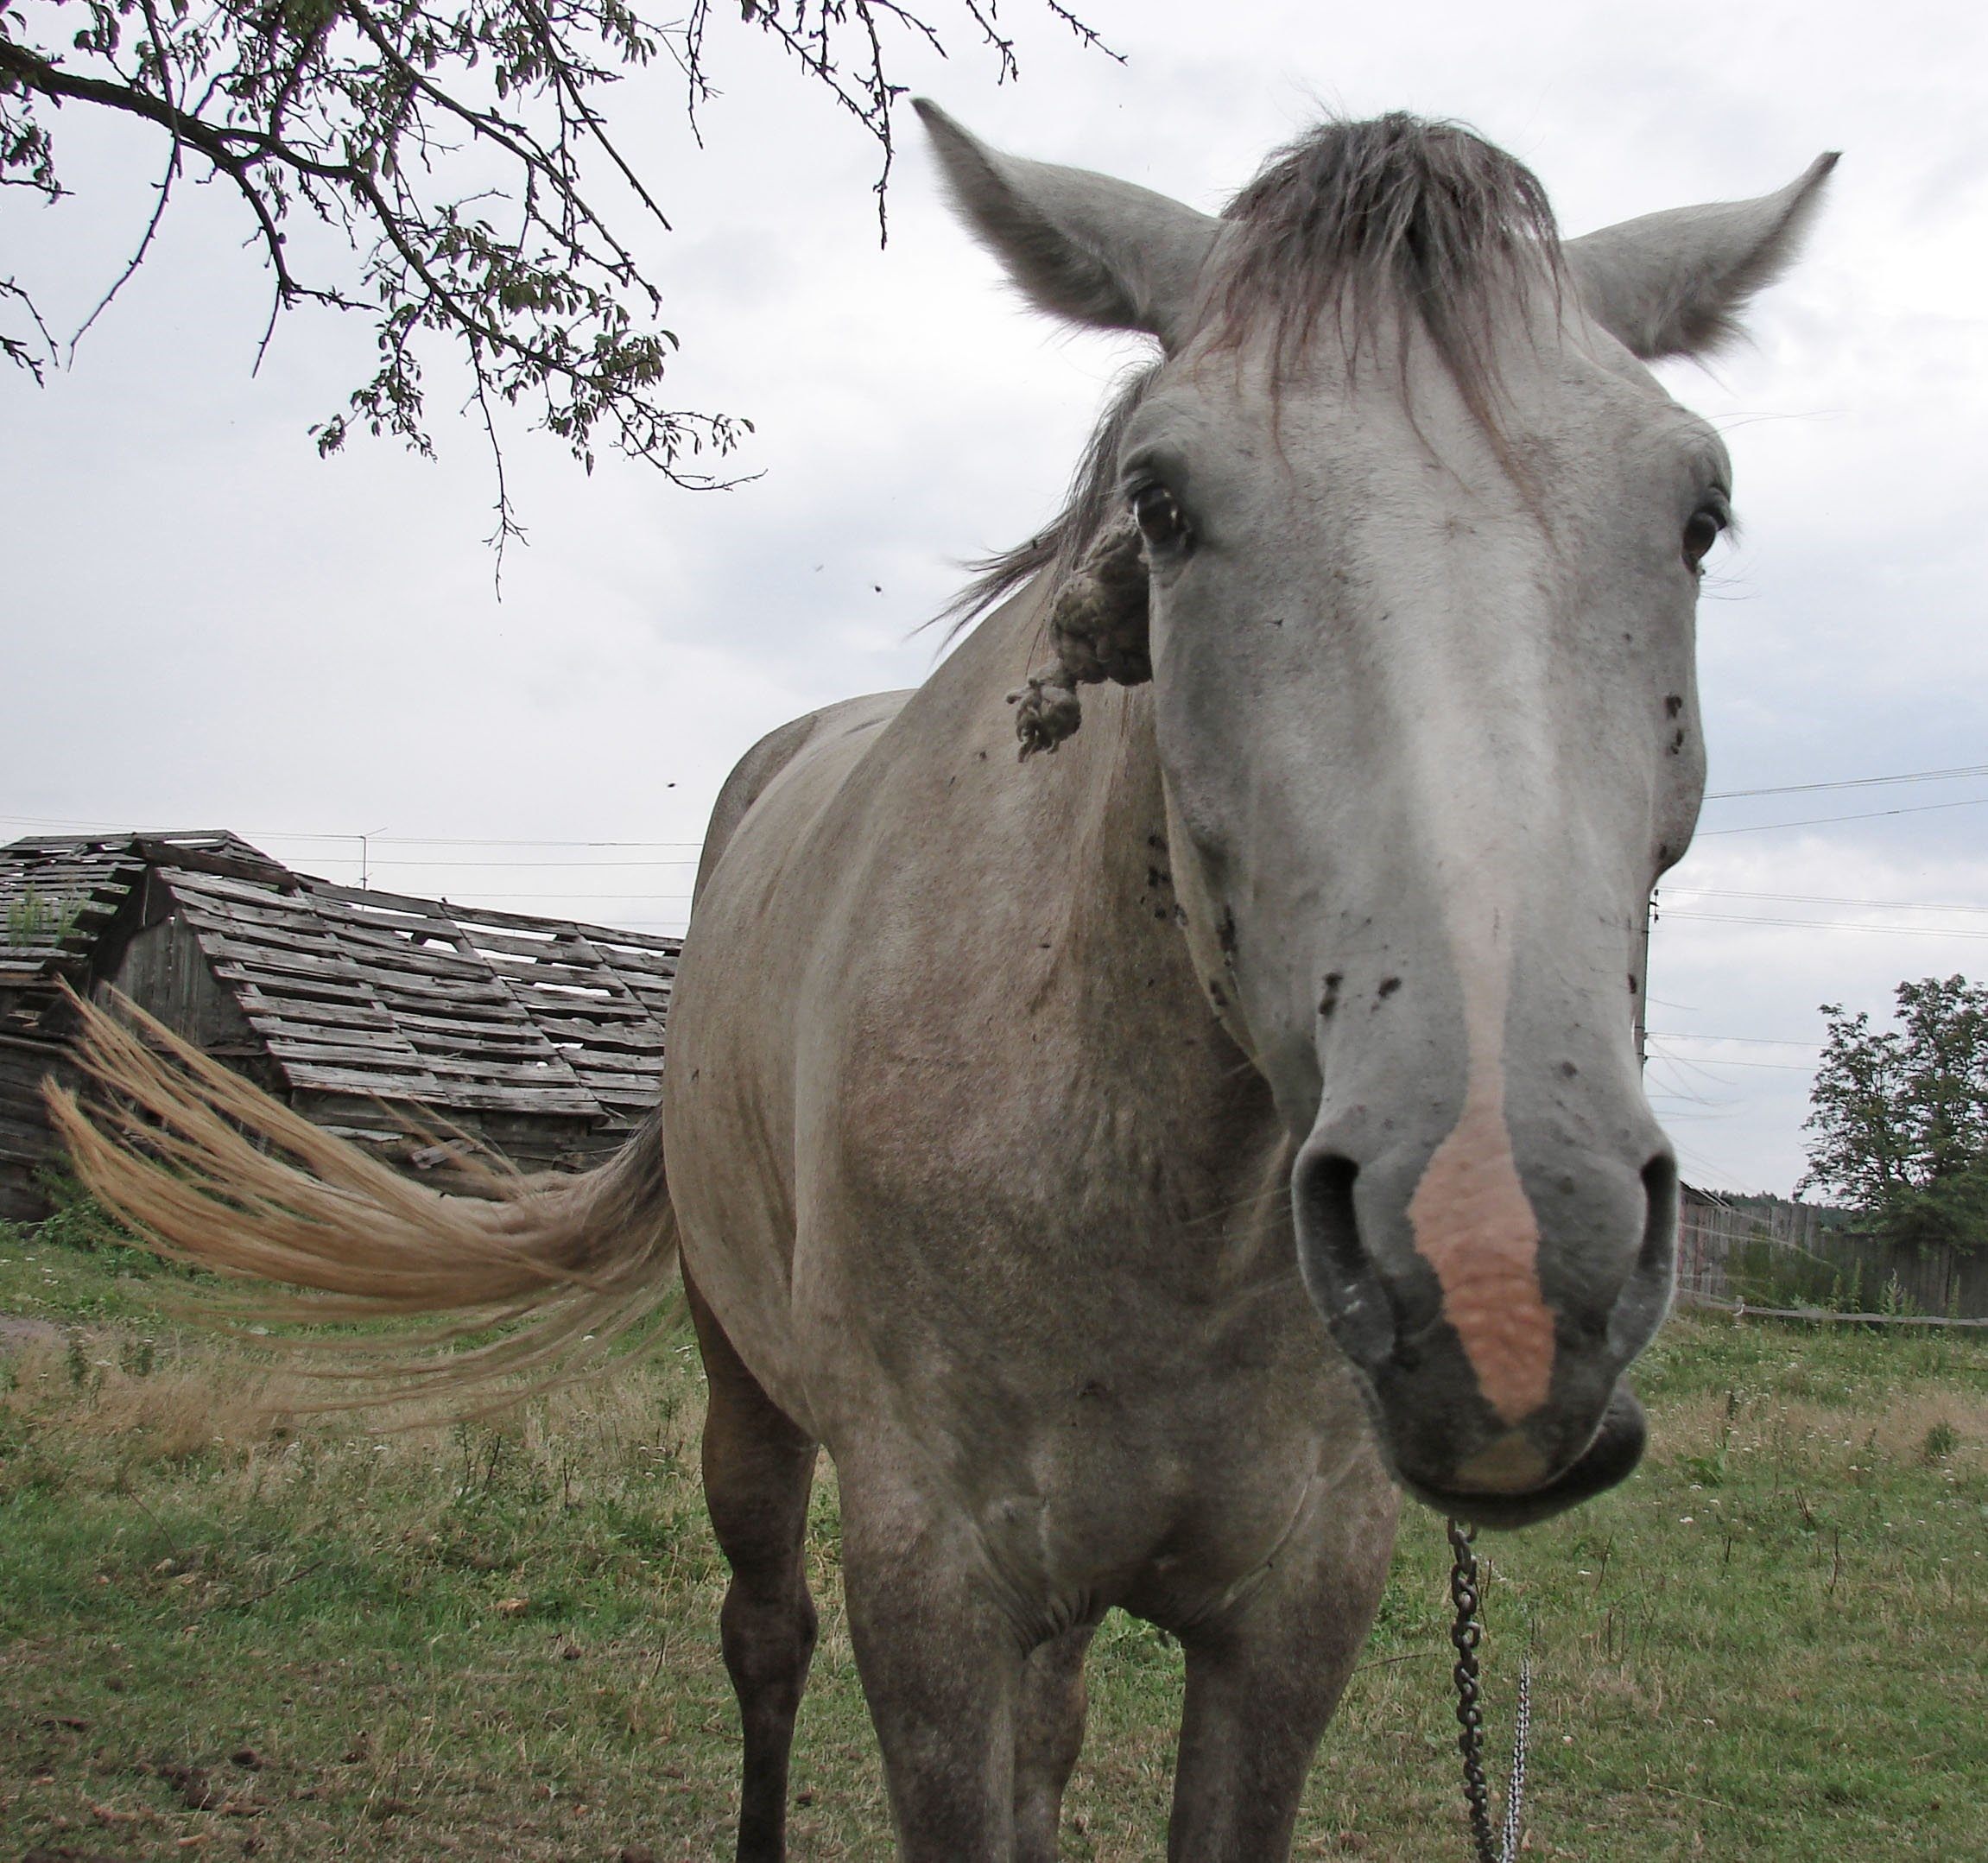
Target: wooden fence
[1765, 1252]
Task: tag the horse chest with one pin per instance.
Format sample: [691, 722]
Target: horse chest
[1168, 1483]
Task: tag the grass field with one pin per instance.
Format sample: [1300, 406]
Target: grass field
[227, 1632]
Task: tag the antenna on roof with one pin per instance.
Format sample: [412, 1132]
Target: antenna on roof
[365, 857]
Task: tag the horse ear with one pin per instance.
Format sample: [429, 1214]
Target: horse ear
[1674, 284]
[1081, 245]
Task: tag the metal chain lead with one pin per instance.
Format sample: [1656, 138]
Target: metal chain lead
[1465, 1632]
[1515, 1792]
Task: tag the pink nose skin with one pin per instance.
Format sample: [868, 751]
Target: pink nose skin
[1474, 1226]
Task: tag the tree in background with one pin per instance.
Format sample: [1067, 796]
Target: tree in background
[452, 149]
[1900, 1115]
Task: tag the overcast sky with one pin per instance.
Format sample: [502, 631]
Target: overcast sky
[206, 626]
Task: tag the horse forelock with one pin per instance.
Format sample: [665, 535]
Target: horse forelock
[1357, 224]
[1389, 219]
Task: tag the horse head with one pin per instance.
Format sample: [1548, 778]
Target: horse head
[1408, 539]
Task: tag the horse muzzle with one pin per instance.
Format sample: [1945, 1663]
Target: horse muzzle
[1492, 1334]
[1612, 1451]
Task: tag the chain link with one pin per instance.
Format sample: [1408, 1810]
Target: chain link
[1465, 1633]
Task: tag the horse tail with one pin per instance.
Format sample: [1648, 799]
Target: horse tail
[214, 1173]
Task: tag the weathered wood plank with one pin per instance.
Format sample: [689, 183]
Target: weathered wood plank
[286, 953]
[471, 1093]
[521, 1043]
[273, 964]
[257, 895]
[495, 1020]
[640, 958]
[592, 1061]
[409, 1085]
[279, 1039]
[295, 1016]
[308, 941]
[363, 1069]
[291, 993]
[552, 971]
[439, 1057]
[472, 917]
[537, 997]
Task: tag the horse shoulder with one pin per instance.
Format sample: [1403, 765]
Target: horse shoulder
[774, 753]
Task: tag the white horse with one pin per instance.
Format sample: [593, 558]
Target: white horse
[1125, 1162]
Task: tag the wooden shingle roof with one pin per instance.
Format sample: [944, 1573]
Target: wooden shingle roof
[368, 993]
[59, 893]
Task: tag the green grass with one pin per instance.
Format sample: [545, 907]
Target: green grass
[499, 1641]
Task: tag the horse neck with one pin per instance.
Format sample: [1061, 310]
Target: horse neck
[1143, 1041]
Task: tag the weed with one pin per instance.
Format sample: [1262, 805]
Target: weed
[38, 918]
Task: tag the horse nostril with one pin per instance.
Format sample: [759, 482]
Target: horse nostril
[1343, 1280]
[1645, 1295]
[1660, 1216]
[1329, 1201]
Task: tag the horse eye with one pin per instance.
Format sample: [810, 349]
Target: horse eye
[1703, 529]
[1159, 518]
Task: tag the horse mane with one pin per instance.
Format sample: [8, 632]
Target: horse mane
[1092, 497]
[1395, 218]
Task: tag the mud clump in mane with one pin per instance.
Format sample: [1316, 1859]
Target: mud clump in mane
[1395, 220]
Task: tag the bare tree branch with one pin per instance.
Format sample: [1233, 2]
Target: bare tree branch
[380, 119]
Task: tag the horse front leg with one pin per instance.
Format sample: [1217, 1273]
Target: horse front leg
[1048, 1736]
[942, 1665]
[1264, 1679]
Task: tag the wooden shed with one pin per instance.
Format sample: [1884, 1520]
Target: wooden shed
[364, 1010]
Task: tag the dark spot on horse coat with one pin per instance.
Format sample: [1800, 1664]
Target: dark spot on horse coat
[1632, 983]
[1388, 985]
[1677, 742]
[1568, 1068]
[1330, 1000]
[1226, 934]
[1672, 704]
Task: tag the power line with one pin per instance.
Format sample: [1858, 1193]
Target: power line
[541, 866]
[1826, 899]
[1819, 821]
[1855, 782]
[485, 841]
[1847, 925]
[1752, 1041]
[1957, 773]
[1731, 1061]
[497, 899]
[99, 826]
